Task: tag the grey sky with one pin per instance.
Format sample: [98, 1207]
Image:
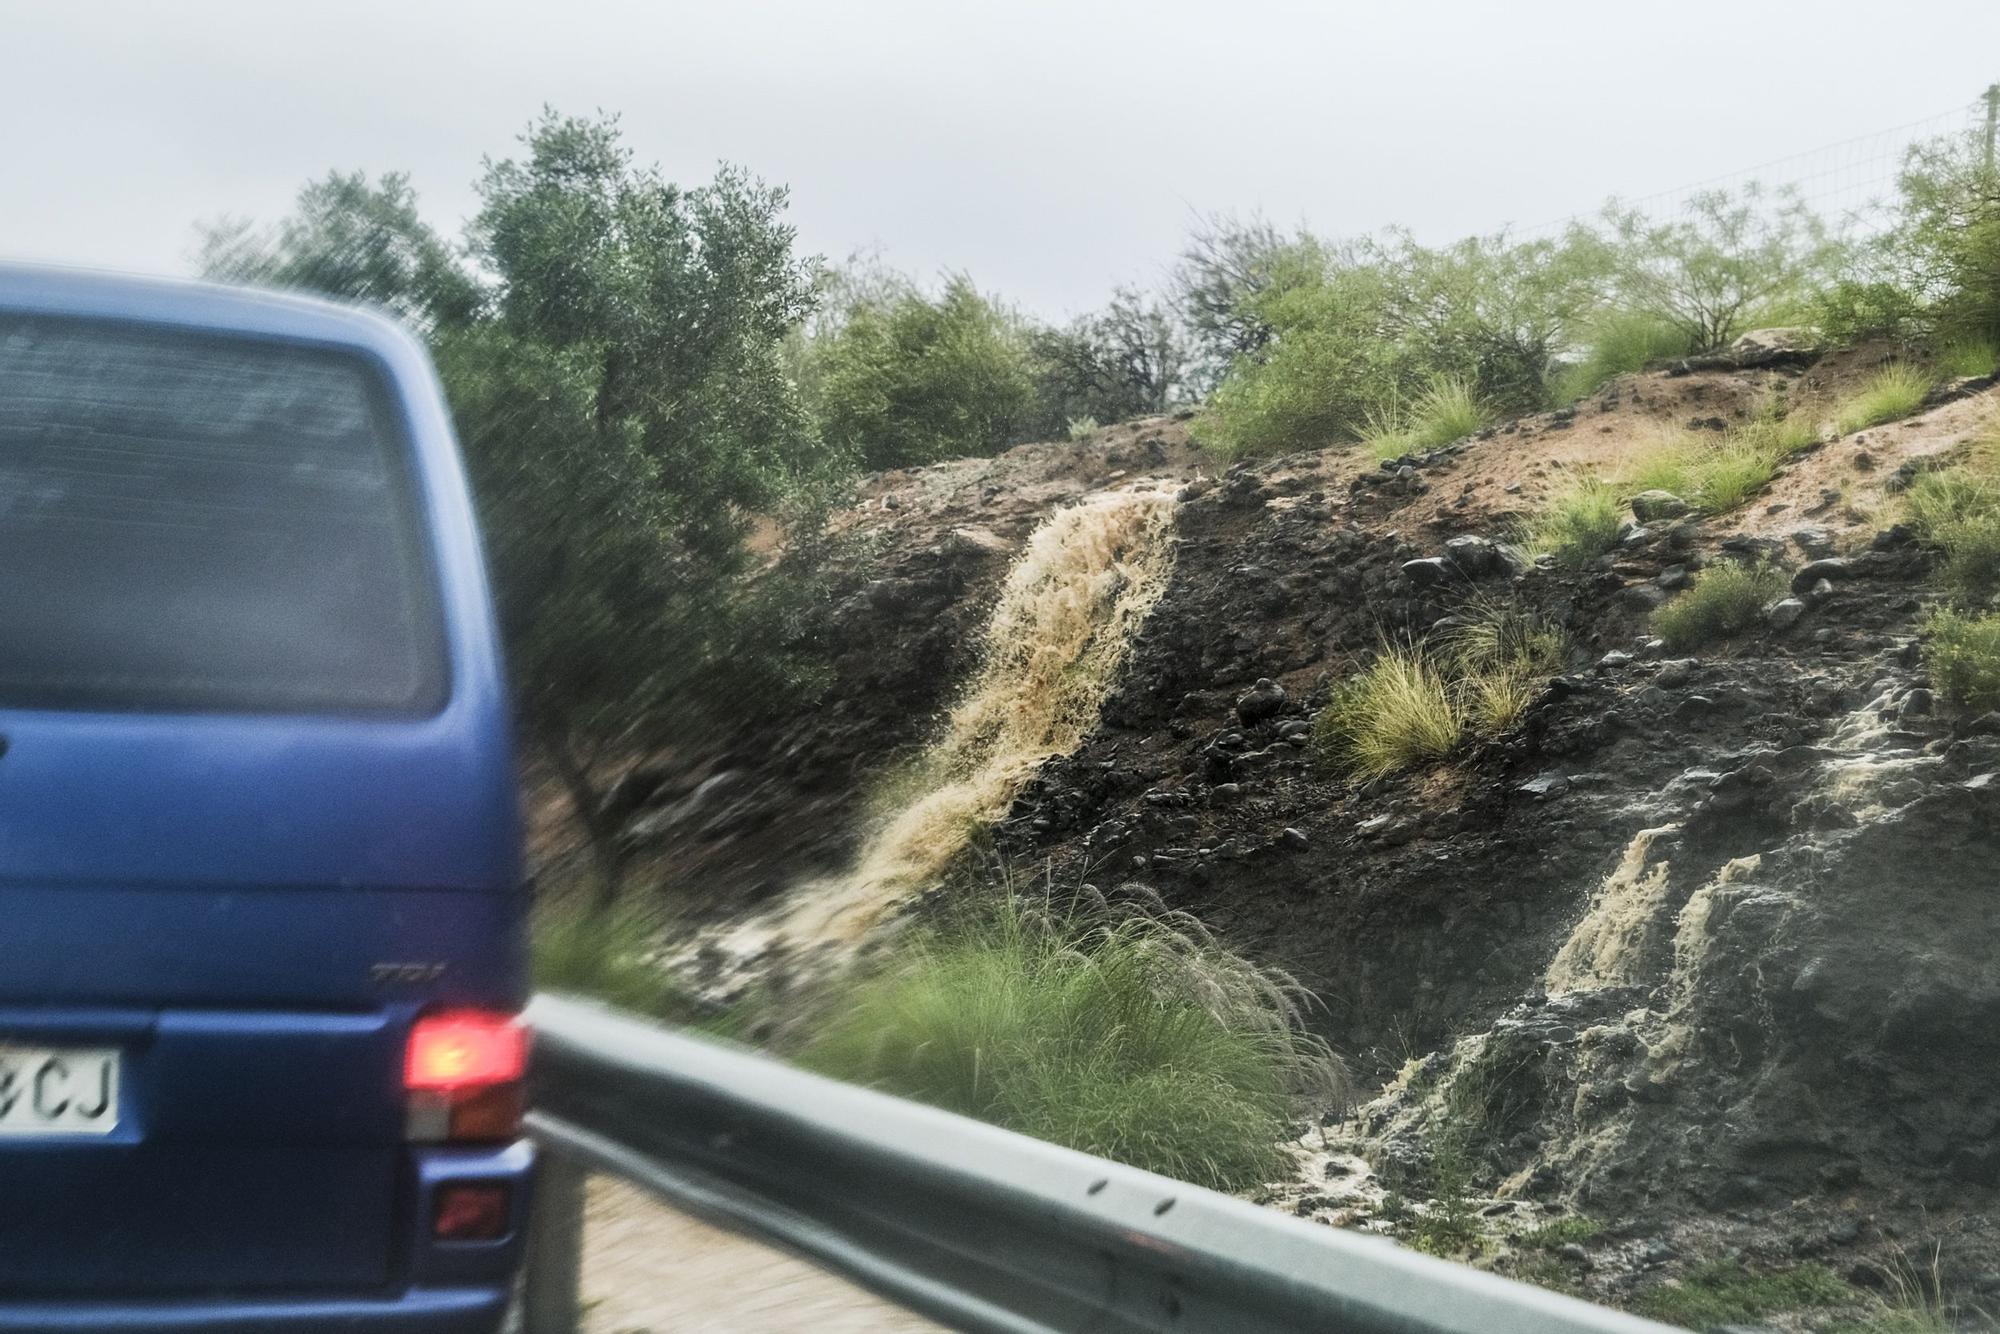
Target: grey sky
[1049, 149]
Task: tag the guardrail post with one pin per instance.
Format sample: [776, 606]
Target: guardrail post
[552, 1286]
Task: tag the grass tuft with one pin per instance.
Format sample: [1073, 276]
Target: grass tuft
[1969, 357]
[1502, 655]
[1446, 412]
[1958, 511]
[1722, 1292]
[1723, 600]
[1897, 390]
[1398, 712]
[1963, 654]
[1577, 525]
[608, 955]
[1082, 428]
[1139, 1037]
[1560, 1232]
[1621, 343]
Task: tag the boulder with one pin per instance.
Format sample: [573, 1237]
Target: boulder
[1264, 700]
[1784, 613]
[1654, 505]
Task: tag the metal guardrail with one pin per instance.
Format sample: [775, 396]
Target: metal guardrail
[973, 1226]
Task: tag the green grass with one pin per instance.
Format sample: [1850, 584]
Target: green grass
[1577, 525]
[1082, 428]
[1722, 1292]
[1719, 475]
[1446, 412]
[1621, 343]
[1723, 600]
[1962, 651]
[1896, 390]
[1969, 357]
[1140, 1038]
[1560, 1232]
[1501, 657]
[1958, 511]
[1398, 712]
[607, 955]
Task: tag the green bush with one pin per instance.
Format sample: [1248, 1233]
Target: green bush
[1897, 390]
[1140, 1038]
[905, 379]
[1396, 713]
[1577, 525]
[1963, 653]
[1723, 600]
[1081, 428]
[1618, 344]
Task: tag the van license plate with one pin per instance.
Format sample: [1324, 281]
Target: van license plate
[58, 1091]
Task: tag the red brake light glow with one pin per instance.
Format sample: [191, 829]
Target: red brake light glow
[463, 1049]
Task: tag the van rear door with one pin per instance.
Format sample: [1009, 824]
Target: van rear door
[255, 796]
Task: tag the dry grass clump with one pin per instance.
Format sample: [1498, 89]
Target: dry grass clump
[1445, 412]
[1396, 713]
[1576, 525]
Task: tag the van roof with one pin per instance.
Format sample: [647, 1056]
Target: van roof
[200, 305]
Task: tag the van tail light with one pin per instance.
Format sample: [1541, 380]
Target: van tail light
[465, 1072]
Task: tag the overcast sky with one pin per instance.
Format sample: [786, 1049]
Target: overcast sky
[1049, 149]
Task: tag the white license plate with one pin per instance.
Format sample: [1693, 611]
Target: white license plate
[58, 1090]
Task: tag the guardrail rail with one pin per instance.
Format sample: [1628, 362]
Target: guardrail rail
[975, 1227]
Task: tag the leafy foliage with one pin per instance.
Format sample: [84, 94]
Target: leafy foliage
[1618, 342]
[1130, 359]
[614, 364]
[906, 378]
[1730, 258]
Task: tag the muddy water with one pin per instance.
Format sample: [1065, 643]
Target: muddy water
[1053, 648]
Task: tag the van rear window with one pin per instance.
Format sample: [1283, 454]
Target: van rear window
[191, 522]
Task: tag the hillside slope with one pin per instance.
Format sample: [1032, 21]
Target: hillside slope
[1701, 948]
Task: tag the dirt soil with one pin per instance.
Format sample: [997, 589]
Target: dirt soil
[1774, 1033]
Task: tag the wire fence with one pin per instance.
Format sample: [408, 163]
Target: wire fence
[1850, 184]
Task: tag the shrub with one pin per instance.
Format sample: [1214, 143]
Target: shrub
[1577, 525]
[906, 379]
[1394, 714]
[1081, 428]
[1723, 600]
[1619, 343]
[1897, 390]
[1963, 653]
[1727, 259]
[1141, 1038]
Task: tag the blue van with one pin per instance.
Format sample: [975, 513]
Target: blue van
[261, 907]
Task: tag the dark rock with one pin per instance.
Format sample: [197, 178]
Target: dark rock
[1476, 557]
[1643, 597]
[1295, 840]
[1895, 536]
[1264, 700]
[1429, 571]
[1815, 542]
[1835, 568]
[1674, 578]
[1544, 787]
[1614, 659]
[1676, 673]
[1650, 506]
[1784, 613]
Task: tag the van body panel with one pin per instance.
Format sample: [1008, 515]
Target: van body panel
[250, 905]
